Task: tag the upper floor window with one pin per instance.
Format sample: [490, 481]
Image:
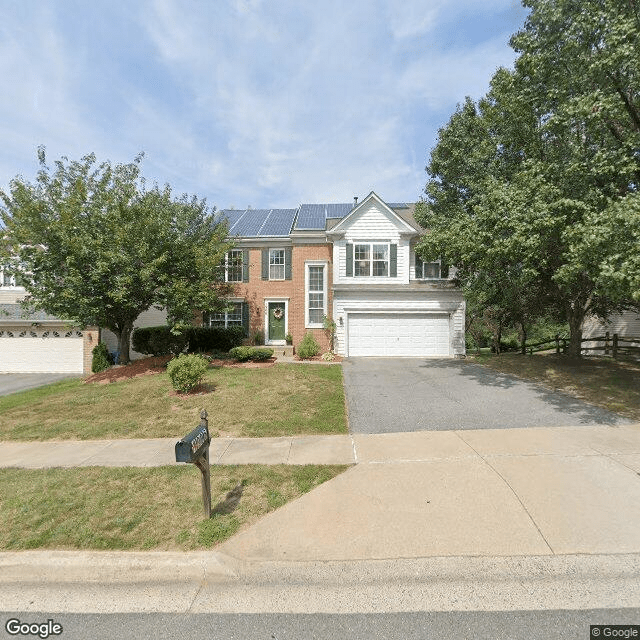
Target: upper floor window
[372, 259]
[276, 264]
[7, 279]
[430, 270]
[233, 265]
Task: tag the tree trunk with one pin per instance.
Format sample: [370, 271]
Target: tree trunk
[123, 343]
[575, 317]
[523, 338]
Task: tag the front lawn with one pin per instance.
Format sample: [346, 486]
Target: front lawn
[611, 384]
[281, 400]
[135, 509]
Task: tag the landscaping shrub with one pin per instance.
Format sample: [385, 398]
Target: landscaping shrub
[257, 354]
[158, 341]
[186, 372]
[101, 358]
[309, 347]
[214, 338]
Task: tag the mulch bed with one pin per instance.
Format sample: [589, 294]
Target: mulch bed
[158, 364]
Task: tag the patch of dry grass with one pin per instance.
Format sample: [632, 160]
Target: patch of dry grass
[284, 399]
[134, 509]
[611, 384]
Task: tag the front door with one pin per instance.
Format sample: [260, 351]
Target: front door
[276, 321]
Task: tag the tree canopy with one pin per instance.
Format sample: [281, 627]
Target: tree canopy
[533, 187]
[95, 246]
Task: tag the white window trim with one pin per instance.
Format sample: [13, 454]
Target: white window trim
[284, 301]
[226, 313]
[371, 243]
[226, 264]
[284, 264]
[315, 263]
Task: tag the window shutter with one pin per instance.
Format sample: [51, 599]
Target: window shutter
[265, 264]
[287, 263]
[245, 318]
[444, 270]
[349, 260]
[393, 261]
[245, 265]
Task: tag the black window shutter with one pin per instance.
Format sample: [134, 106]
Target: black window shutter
[444, 269]
[418, 270]
[245, 265]
[245, 318]
[287, 263]
[349, 260]
[265, 264]
[393, 261]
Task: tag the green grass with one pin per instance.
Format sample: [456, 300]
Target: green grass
[140, 509]
[611, 384]
[274, 401]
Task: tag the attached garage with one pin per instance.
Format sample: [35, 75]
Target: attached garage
[40, 350]
[398, 334]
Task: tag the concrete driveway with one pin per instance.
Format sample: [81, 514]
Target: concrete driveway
[13, 382]
[390, 395]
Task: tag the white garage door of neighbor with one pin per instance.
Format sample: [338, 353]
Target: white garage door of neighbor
[52, 351]
[397, 334]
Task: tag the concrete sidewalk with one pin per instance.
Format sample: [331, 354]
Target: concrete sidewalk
[491, 492]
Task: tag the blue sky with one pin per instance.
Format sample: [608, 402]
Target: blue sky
[267, 103]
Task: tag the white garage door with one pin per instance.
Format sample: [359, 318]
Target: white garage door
[40, 351]
[397, 334]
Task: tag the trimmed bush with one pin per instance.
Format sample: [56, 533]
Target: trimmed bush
[244, 354]
[214, 338]
[101, 358]
[158, 341]
[308, 348]
[186, 372]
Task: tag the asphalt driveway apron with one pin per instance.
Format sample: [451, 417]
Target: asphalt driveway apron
[14, 382]
[389, 395]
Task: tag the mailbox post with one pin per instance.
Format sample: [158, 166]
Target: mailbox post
[194, 448]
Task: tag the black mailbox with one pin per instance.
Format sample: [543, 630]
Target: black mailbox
[194, 448]
[193, 445]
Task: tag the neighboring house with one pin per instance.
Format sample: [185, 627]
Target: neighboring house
[354, 263]
[625, 324]
[39, 343]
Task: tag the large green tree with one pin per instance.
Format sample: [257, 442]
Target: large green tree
[95, 246]
[522, 182]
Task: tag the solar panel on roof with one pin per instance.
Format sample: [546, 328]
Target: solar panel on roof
[311, 217]
[249, 225]
[278, 222]
[339, 210]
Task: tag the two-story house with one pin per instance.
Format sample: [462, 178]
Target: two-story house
[354, 263]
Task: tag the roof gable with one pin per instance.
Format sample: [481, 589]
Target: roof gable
[382, 208]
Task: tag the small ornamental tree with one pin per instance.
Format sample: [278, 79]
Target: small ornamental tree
[95, 246]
